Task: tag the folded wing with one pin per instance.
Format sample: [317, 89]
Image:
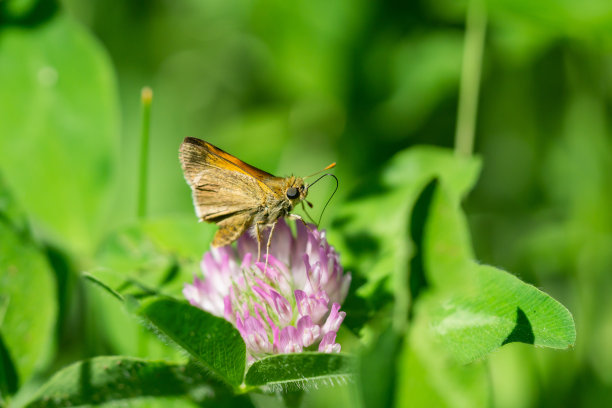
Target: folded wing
[225, 190]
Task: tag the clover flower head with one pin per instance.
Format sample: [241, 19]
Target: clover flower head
[292, 305]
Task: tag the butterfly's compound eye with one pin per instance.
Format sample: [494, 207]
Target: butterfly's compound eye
[292, 193]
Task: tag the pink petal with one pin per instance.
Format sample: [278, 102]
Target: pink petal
[281, 243]
[333, 322]
[308, 331]
[255, 335]
[290, 341]
[328, 344]
[314, 306]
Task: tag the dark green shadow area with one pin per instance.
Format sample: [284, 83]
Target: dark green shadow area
[9, 380]
[115, 379]
[377, 370]
[417, 279]
[86, 389]
[40, 12]
[363, 243]
[358, 310]
[522, 332]
[171, 273]
[65, 275]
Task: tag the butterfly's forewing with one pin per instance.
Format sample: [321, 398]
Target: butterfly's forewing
[226, 190]
[234, 162]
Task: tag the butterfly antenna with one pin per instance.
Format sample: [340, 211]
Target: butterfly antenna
[321, 171]
[331, 196]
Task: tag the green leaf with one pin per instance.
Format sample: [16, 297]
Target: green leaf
[120, 325]
[60, 116]
[103, 285]
[375, 223]
[428, 376]
[28, 315]
[211, 340]
[300, 370]
[474, 308]
[181, 236]
[118, 378]
[143, 259]
[8, 372]
[378, 368]
[158, 253]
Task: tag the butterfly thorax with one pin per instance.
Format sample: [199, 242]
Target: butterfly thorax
[285, 195]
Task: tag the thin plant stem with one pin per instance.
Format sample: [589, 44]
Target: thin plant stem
[476, 22]
[146, 97]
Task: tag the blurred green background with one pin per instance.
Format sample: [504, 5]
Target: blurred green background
[291, 86]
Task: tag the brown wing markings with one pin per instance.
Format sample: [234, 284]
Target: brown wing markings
[231, 228]
[213, 156]
[226, 198]
[217, 190]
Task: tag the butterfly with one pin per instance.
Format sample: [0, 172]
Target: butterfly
[235, 195]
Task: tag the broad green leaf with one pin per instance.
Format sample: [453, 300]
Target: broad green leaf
[8, 373]
[380, 214]
[28, 298]
[428, 375]
[104, 286]
[120, 325]
[143, 259]
[10, 213]
[211, 340]
[113, 379]
[157, 253]
[474, 308]
[129, 255]
[375, 242]
[300, 370]
[378, 368]
[181, 236]
[60, 117]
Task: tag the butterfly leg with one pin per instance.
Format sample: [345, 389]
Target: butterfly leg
[298, 218]
[258, 234]
[268, 245]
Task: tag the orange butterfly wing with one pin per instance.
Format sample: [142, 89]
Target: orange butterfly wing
[226, 190]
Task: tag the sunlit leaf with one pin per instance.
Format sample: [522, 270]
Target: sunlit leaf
[118, 378]
[376, 222]
[210, 340]
[28, 303]
[429, 376]
[300, 371]
[474, 308]
[378, 369]
[143, 259]
[59, 128]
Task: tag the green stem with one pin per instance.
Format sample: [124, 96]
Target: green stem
[476, 22]
[146, 97]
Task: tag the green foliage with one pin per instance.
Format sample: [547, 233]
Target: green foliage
[140, 260]
[377, 369]
[112, 379]
[211, 340]
[375, 224]
[60, 117]
[159, 254]
[460, 310]
[300, 371]
[26, 326]
[477, 308]
[291, 89]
